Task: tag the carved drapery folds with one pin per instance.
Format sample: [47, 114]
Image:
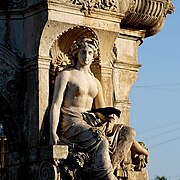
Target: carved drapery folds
[147, 15]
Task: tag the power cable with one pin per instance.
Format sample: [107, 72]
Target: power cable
[158, 85]
[158, 127]
[157, 135]
[165, 142]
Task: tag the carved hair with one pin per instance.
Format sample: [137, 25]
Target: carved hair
[83, 42]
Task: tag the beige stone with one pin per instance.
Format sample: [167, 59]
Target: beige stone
[30, 32]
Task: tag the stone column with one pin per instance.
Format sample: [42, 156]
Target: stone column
[30, 83]
[103, 69]
[125, 70]
[104, 74]
[43, 77]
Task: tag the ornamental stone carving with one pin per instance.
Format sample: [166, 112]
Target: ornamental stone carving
[147, 14]
[13, 4]
[48, 171]
[59, 51]
[36, 37]
[17, 3]
[87, 5]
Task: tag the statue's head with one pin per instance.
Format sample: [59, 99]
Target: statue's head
[83, 42]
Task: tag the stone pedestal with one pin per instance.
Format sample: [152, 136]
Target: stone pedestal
[49, 165]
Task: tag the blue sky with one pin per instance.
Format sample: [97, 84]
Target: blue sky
[155, 98]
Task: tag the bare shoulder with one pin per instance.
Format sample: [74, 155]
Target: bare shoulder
[63, 75]
[98, 83]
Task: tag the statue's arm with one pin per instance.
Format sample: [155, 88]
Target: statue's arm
[99, 103]
[99, 99]
[59, 89]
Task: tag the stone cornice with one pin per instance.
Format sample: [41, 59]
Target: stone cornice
[35, 63]
[127, 66]
[59, 11]
[106, 70]
[86, 7]
[147, 15]
[129, 34]
[44, 62]
[23, 12]
[13, 4]
[30, 64]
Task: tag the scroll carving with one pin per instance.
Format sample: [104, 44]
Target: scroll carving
[48, 171]
[148, 15]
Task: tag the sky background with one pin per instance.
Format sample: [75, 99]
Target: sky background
[155, 98]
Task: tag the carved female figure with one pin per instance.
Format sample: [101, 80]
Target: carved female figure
[76, 92]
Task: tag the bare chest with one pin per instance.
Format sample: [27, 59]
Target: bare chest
[82, 86]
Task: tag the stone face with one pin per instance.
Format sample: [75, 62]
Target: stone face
[35, 38]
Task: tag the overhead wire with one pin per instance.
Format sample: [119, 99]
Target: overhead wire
[167, 86]
[157, 135]
[158, 85]
[163, 133]
[158, 127]
[164, 142]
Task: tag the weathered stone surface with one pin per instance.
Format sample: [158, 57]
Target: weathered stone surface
[148, 15]
[54, 152]
[35, 36]
[138, 175]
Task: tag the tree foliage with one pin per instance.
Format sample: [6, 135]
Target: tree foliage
[160, 178]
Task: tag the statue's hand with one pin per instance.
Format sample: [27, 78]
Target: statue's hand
[54, 139]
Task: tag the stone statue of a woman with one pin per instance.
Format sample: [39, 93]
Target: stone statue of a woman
[76, 92]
